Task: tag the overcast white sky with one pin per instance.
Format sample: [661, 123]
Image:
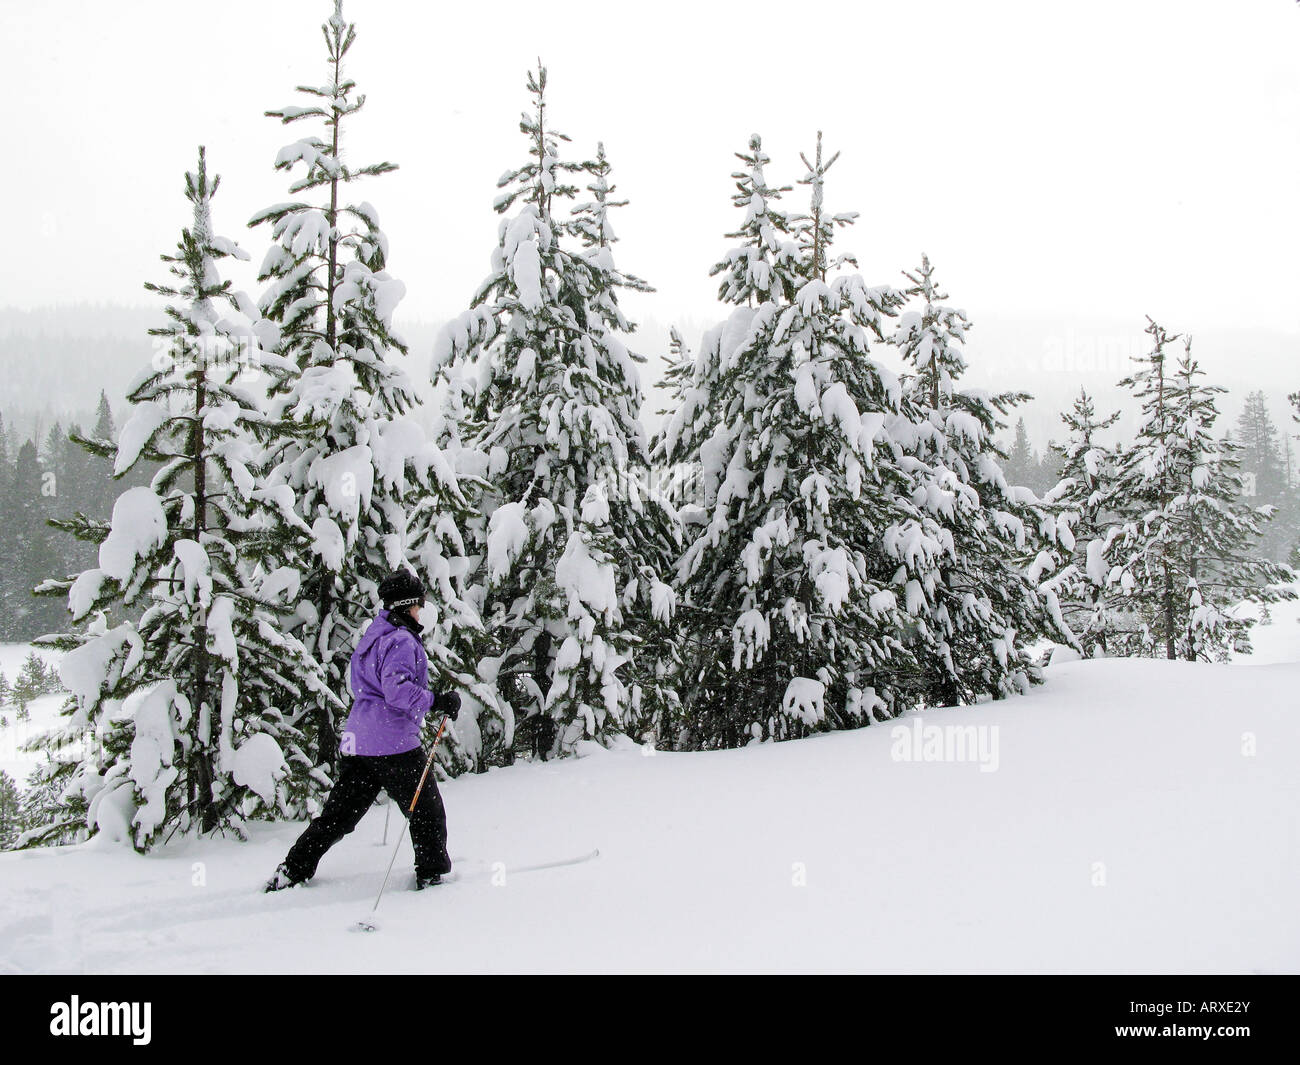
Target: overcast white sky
[1108, 158]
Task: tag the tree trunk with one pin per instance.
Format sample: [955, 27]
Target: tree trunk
[545, 729]
[331, 216]
[1171, 652]
[205, 809]
[326, 740]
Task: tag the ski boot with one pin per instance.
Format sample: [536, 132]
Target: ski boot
[281, 880]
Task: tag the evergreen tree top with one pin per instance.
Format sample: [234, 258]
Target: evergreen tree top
[591, 219]
[931, 339]
[815, 230]
[1189, 369]
[1081, 455]
[1262, 445]
[329, 292]
[192, 264]
[1082, 417]
[591, 224]
[104, 427]
[323, 158]
[542, 178]
[211, 333]
[1148, 379]
[766, 265]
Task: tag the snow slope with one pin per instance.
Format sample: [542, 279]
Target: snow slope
[44, 714]
[1278, 638]
[907, 866]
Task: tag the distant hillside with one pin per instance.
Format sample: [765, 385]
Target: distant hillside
[56, 359]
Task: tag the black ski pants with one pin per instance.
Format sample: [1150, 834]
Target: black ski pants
[361, 779]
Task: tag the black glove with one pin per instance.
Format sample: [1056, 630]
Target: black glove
[449, 703]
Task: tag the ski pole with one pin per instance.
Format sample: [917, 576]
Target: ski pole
[416, 798]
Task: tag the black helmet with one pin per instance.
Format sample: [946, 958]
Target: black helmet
[401, 588]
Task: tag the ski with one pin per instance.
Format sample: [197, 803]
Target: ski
[369, 924]
[491, 869]
[555, 864]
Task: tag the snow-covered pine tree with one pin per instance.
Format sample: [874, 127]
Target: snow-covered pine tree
[11, 811]
[89, 526]
[54, 460]
[764, 265]
[104, 428]
[34, 680]
[983, 601]
[790, 619]
[1260, 451]
[99, 504]
[1082, 496]
[95, 498]
[77, 482]
[192, 705]
[678, 470]
[1147, 568]
[1047, 474]
[679, 366]
[678, 481]
[644, 530]
[370, 491]
[1187, 554]
[546, 395]
[1021, 463]
[1190, 545]
[1265, 476]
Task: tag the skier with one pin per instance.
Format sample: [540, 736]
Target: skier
[380, 746]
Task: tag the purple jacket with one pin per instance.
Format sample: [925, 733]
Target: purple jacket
[390, 674]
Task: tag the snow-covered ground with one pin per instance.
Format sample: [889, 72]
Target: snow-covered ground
[1142, 816]
[1278, 638]
[44, 712]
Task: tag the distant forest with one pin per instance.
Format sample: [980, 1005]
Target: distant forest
[42, 481]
